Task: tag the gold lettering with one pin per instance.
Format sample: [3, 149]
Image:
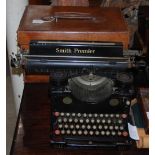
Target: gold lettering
[86, 51]
[63, 50]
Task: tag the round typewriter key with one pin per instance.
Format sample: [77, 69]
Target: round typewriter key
[124, 115]
[83, 126]
[77, 126]
[60, 126]
[107, 133]
[75, 120]
[81, 120]
[88, 127]
[116, 127]
[74, 132]
[62, 114]
[108, 121]
[79, 132]
[113, 133]
[65, 119]
[127, 102]
[111, 127]
[111, 115]
[70, 120]
[94, 127]
[105, 127]
[67, 114]
[56, 114]
[97, 133]
[85, 132]
[98, 120]
[68, 132]
[67, 100]
[66, 126]
[57, 132]
[92, 120]
[79, 114]
[84, 115]
[95, 115]
[119, 121]
[100, 127]
[62, 132]
[121, 127]
[59, 120]
[106, 115]
[101, 115]
[102, 133]
[117, 115]
[103, 120]
[73, 114]
[89, 115]
[119, 133]
[91, 133]
[87, 120]
[125, 133]
[72, 126]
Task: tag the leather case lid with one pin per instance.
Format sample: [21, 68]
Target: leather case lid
[93, 24]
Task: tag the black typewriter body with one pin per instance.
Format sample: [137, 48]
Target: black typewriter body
[91, 88]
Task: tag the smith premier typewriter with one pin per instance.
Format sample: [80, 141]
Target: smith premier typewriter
[83, 54]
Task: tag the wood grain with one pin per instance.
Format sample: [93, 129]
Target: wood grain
[107, 24]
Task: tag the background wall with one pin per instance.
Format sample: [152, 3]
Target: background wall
[14, 12]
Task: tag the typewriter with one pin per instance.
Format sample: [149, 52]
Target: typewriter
[90, 91]
[91, 82]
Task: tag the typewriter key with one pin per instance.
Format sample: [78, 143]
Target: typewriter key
[88, 127]
[66, 126]
[81, 120]
[68, 132]
[83, 126]
[100, 127]
[57, 132]
[121, 128]
[94, 127]
[103, 120]
[62, 132]
[125, 134]
[107, 133]
[77, 126]
[72, 126]
[70, 120]
[95, 115]
[56, 114]
[92, 120]
[97, 133]
[113, 133]
[73, 114]
[98, 120]
[101, 115]
[102, 133]
[116, 127]
[91, 133]
[74, 132]
[79, 132]
[124, 115]
[85, 132]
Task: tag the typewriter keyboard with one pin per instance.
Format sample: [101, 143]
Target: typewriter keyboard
[88, 124]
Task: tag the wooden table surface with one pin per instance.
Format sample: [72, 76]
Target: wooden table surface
[33, 128]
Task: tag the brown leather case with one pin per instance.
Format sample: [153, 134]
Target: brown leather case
[101, 24]
[93, 24]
